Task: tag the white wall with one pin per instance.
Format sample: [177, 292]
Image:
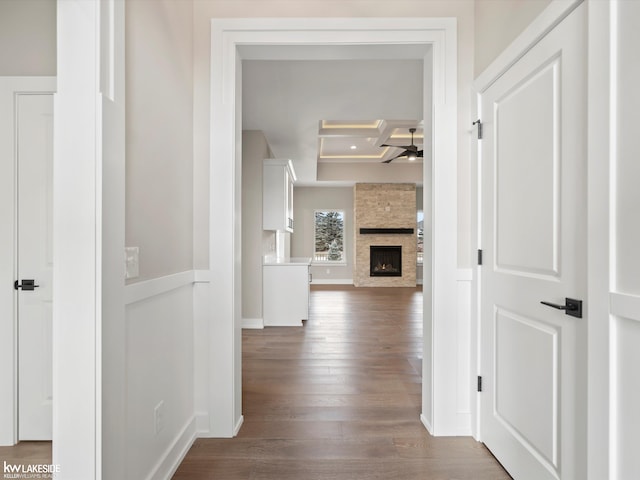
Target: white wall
[498, 23]
[306, 200]
[159, 118]
[159, 323]
[159, 369]
[371, 172]
[254, 150]
[27, 37]
[204, 10]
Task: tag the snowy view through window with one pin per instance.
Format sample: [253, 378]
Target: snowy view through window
[329, 236]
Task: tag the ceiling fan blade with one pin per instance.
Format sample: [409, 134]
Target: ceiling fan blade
[410, 151]
[403, 154]
[396, 146]
[406, 153]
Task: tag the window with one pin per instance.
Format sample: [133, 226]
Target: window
[420, 234]
[329, 236]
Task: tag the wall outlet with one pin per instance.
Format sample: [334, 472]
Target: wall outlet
[158, 418]
[132, 262]
[328, 271]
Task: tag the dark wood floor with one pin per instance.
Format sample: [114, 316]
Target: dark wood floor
[338, 399]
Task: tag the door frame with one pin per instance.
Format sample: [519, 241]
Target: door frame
[223, 378]
[545, 22]
[89, 222]
[10, 88]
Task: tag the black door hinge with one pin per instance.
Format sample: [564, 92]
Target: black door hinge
[479, 383]
[479, 123]
[479, 257]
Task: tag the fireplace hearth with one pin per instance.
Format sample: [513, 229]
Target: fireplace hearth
[386, 260]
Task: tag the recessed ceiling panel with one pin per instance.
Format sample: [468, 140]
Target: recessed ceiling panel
[366, 140]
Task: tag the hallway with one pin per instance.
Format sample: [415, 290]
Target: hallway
[338, 399]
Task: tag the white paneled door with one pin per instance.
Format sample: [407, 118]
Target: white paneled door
[34, 267]
[533, 225]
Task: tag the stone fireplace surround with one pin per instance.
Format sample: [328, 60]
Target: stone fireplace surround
[384, 206]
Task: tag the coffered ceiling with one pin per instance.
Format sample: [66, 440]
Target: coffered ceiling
[316, 111]
[362, 141]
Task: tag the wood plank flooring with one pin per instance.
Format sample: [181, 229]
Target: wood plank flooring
[26, 453]
[338, 399]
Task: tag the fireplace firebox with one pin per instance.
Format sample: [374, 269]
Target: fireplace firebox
[386, 260]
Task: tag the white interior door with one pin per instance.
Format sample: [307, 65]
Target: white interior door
[35, 223]
[533, 225]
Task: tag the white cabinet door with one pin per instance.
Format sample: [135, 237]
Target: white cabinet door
[285, 295]
[278, 178]
[533, 414]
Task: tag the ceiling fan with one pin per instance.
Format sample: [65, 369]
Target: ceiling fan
[410, 151]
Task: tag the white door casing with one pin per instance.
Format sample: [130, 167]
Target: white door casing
[88, 242]
[533, 223]
[440, 396]
[34, 136]
[614, 236]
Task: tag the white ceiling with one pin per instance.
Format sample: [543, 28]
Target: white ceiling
[375, 92]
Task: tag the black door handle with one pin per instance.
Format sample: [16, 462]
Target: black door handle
[25, 285]
[571, 307]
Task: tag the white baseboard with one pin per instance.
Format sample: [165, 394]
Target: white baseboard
[202, 424]
[173, 456]
[295, 323]
[344, 281]
[464, 423]
[253, 323]
[238, 425]
[332, 281]
[426, 424]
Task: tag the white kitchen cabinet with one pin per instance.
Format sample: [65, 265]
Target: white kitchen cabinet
[278, 178]
[285, 290]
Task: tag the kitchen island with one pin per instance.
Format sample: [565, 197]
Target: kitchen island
[285, 291]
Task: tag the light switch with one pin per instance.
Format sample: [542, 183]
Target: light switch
[131, 258]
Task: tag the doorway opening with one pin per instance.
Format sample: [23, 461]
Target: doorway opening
[237, 39]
